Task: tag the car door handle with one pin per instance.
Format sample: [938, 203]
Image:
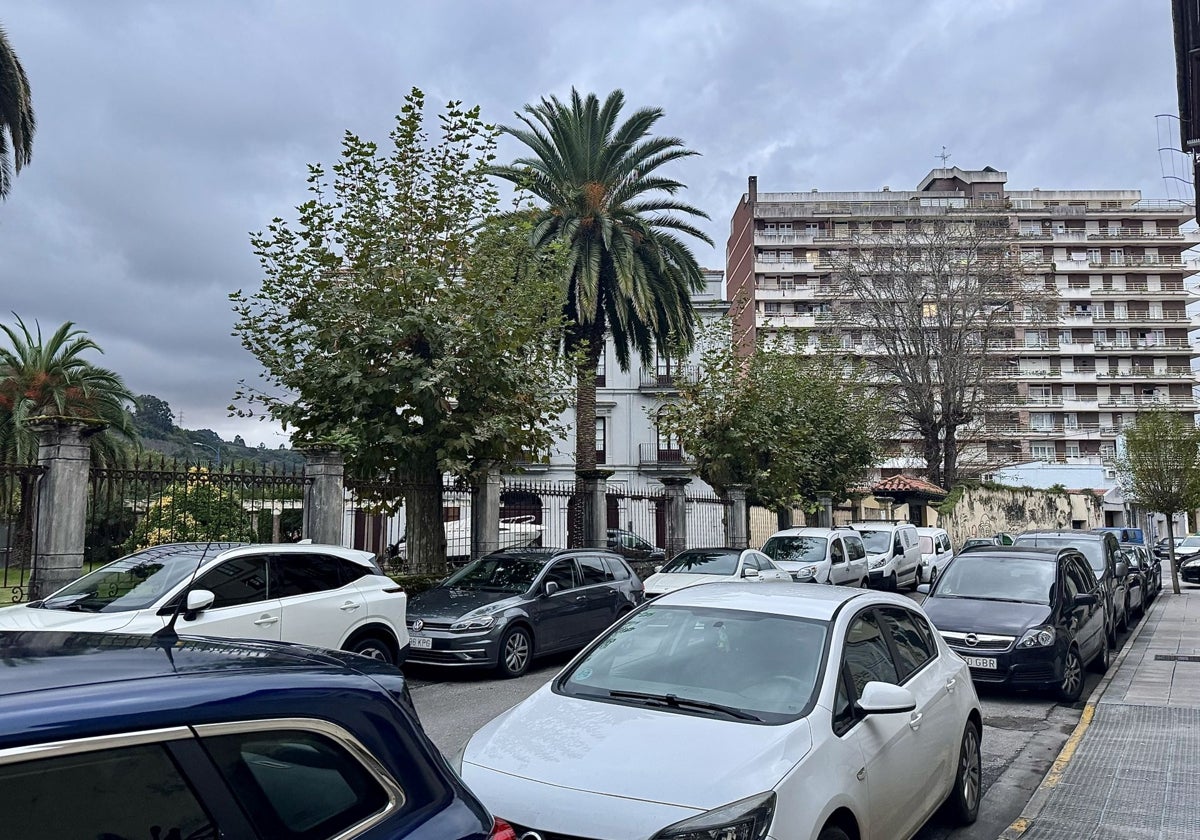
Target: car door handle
[349, 606]
[951, 684]
[265, 620]
[580, 597]
[915, 721]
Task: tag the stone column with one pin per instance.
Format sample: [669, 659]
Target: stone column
[826, 504]
[676, 513]
[325, 495]
[61, 502]
[595, 507]
[736, 517]
[485, 514]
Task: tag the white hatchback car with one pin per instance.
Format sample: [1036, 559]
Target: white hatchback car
[750, 711]
[321, 595]
[711, 565]
[820, 555]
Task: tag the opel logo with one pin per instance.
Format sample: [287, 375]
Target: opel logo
[972, 639]
[416, 628]
[530, 835]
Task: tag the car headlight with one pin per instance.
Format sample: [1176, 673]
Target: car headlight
[879, 563]
[478, 622]
[805, 573]
[1036, 637]
[746, 819]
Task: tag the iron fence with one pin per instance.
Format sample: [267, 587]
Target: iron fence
[706, 518]
[18, 529]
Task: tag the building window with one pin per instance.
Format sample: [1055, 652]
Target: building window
[669, 450]
[1070, 420]
[601, 440]
[1043, 451]
[601, 366]
[1100, 336]
[771, 307]
[1072, 450]
[1064, 337]
[1041, 421]
[1093, 256]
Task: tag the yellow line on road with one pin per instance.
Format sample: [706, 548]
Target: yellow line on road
[1068, 750]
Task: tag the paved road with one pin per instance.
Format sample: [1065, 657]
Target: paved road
[1023, 733]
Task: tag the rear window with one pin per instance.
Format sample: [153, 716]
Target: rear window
[1093, 550]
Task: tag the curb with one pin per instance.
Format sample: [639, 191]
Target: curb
[1054, 775]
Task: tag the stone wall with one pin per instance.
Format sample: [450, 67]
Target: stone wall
[985, 510]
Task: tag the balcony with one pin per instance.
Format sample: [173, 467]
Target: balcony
[1136, 233]
[1148, 373]
[654, 458]
[1122, 400]
[659, 381]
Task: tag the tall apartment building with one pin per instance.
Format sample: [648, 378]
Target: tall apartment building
[1113, 265]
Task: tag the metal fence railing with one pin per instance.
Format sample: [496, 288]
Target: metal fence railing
[18, 529]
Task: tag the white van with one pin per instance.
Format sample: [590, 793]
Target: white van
[893, 553]
[936, 552]
[820, 555]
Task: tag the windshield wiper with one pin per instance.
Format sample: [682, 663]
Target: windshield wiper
[677, 702]
[1001, 600]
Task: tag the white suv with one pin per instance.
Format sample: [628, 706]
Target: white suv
[820, 555]
[893, 553]
[321, 595]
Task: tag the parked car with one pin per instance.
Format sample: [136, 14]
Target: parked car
[1187, 549]
[1162, 548]
[110, 735]
[1148, 574]
[936, 552]
[514, 532]
[1022, 617]
[893, 553]
[641, 555]
[820, 555]
[1103, 554]
[322, 595]
[742, 710]
[709, 565]
[995, 539]
[1189, 568]
[504, 609]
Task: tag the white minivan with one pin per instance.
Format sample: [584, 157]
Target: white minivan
[820, 555]
[936, 552]
[893, 553]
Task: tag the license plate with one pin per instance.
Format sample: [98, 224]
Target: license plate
[981, 662]
[421, 642]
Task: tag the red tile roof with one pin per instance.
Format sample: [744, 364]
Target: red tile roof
[908, 484]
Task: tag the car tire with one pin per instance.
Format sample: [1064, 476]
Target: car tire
[1071, 687]
[893, 583]
[933, 576]
[516, 652]
[373, 647]
[968, 778]
[833, 832]
[1123, 625]
[1100, 662]
[1110, 633]
[865, 583]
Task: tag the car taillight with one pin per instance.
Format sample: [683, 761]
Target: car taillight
[502, 831]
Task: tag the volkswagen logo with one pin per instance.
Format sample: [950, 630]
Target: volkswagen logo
[530, 835]
[972, 639]
[416, 627]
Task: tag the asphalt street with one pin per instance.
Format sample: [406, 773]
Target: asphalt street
[1023, 732]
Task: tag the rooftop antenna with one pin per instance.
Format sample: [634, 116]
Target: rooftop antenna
[945, 156]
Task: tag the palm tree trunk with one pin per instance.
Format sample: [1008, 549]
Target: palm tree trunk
[585, 407]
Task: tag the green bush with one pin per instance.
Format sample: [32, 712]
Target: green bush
[416, 583]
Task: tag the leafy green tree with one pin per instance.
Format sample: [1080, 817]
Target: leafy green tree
[1159, 468]
[407, 322]
[17, 122]
[153, 417]
[791, 427]
[628, 273]
[193, 510]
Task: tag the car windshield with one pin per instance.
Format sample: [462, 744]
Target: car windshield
[131, 583]
[702, 562]
[927, 545]
[1190, 542]
[1008, 578]
[876, 542]
[725, 663]
[796, 549]
[1093, 550]
[496, 574]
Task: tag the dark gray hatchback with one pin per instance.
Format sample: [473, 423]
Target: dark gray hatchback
[510, 606]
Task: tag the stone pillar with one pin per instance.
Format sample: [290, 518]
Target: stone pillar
[736, 517]
[485, 514]
[595, 507]
[676, 498]
[826, 504]
[61, 502]
[324, 496]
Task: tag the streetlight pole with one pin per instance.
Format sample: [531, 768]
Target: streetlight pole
[213, 448]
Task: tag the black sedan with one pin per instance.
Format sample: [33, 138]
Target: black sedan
[504, 609]
[1022, 617]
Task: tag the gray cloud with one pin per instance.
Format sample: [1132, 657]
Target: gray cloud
[167, 132]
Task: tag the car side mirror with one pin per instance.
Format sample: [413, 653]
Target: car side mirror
[923, 588]
[657, 569]
[550, 588]
[1084, 599]
[1122, 568]
[198, 600]
[749, 573]
[880, 698]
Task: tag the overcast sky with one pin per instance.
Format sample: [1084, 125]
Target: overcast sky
[168, 131]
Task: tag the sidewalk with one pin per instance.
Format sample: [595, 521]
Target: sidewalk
[1131, 769]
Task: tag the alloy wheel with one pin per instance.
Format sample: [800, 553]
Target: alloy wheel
[516, 652]
[969, 769]
[1072, 681]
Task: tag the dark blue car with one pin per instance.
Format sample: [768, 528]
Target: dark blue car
[116, 737]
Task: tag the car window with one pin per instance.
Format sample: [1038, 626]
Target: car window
[943, 542]
[704, 562]
[927, 545]
[837, 553]
[351, 571]
[867, 654]
[801, 549]
[242, 580]
[564, 573]
[107, 793]
[749, 561]
[594, 570]
[843, 708]
[296, 785]
[985, 577]
[1080, 576]
[301, 574]
[914, 647]
[617, 569]
[854, 547]
[876, 541]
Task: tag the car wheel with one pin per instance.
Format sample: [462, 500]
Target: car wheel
[865, 583]
[964, 799]
[1072, 681]
[833, 832]
[1123, 625]
[893, 583]
[372, 647]
[516, 650]
[1110, 633]
[933, 573]
[1100, 663]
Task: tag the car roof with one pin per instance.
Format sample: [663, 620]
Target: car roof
[813, 531]
[1028, 552]
[1063, 534]
[777, 597]
[546, 554]
[212, 550]
[881, 524]
[927, 531]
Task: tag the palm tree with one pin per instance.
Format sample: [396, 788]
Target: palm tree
[49, 378]
[16, 115]
[629, 274]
